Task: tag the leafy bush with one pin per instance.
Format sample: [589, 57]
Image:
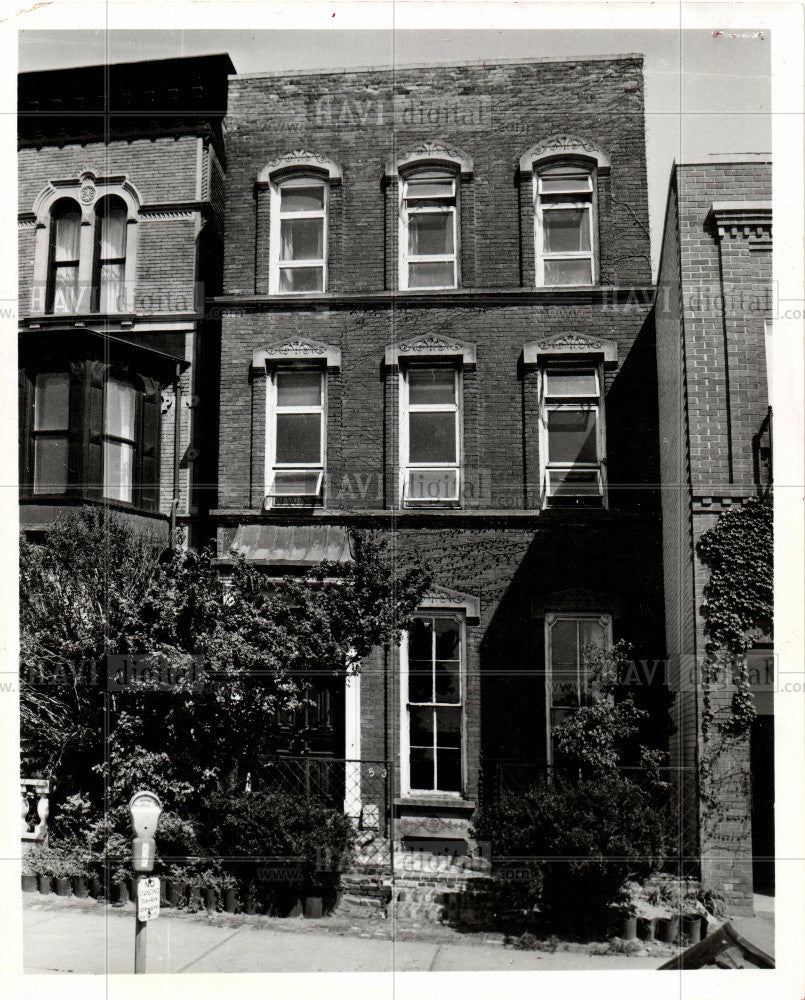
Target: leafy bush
[63, 861]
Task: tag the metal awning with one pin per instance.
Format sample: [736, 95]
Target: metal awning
[292, 544]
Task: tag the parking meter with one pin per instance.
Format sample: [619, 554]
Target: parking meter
[145, 809]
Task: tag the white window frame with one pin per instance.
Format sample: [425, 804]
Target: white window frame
[272, 411]
[583, 403]
[407, 467]
[133, 443]
[405, 721]
[605, 620]
[275, 242]
[540, 207]
[57, 433]
[436, 174]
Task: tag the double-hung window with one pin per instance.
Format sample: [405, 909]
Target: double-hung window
[119, 440]
[51, 429]
[572, 435]
[110, 255]
[63, 289]
[569, 685]
[430, 434]
[299, 235]
[564, 212]
[429, 230]
[433, 723]
[295, 438]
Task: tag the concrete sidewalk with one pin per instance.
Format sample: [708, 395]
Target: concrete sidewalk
[85, 936]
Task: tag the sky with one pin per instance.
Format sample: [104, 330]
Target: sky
[705, 92]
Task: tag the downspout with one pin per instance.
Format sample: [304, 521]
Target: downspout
[177, 437]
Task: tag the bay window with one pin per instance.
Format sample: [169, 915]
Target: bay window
[430, 434]
[295, 437]
[119, 440]
[299, 235]
[564, 215]
[429, 230]
[51, 429]
[433, 698]
[572, 435]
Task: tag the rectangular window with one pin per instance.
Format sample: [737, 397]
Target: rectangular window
[296, 438]
[63, 292]
[572, 436]
[51, 432]
[567, 674]
[565, 232]
[119, 440]
[429, 232]
[111, 223]
[299, 236]
[430, 434]
[434, 704]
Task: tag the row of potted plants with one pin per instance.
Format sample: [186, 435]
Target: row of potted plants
[667, 908]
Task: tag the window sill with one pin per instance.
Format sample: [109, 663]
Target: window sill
[435, 800]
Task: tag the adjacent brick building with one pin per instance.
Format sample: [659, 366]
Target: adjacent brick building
[434, 328]
[713, 312]
[121, 185]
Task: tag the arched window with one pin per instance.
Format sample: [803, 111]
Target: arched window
[429, 229]
[564, 211]
[63, 291]
[108, 283]
[299, 235]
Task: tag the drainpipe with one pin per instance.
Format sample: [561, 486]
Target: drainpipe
[177, 440]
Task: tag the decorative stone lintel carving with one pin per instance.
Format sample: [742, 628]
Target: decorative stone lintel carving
[569, 344]
[564, 145]
[446, 599]
[300, 159]
[295, 349]
[431, 152]
[430, 345]
[743, 219]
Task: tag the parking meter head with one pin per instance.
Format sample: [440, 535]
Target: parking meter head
[145, 809]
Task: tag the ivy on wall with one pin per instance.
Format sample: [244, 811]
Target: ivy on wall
[739, 598]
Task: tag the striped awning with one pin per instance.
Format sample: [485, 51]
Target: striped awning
[292, 544]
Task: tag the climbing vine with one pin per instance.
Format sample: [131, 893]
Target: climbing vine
[739, 600]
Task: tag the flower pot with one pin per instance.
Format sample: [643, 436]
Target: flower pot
[313, 906]
[64, 886]
[194, 902]
[173, 892]
[230, 900]
[80, 886]
[629, 928]
[211, 899]
[692, 929]
[250, 903]
[646, 928]
[120, 893]
[668, 929]
[45, 884]
[96, 889]
[29, 883]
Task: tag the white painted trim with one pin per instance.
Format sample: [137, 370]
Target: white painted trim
[275, 228]
[352, 745]
[404, 442]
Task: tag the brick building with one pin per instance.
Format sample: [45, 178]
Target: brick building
[713, 310]
[434, 328]
[121, 185]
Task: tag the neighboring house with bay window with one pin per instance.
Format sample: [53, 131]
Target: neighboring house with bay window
[121, 173]
[434, 327]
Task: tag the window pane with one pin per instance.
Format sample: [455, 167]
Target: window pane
[571, 436]
[50, 465]
[564, 663]
[448, 770]
[111, 297]
[298, 438]
[299, 482]
[119, 404]
[568, 272]
[573, 483]
[447, 666]
[571, 383]
[448, 727]
[422, 769]
[431, 385]
[118, 471]
[432, 484]
[302, 199]
[112, 229]
[566, 229]
[52, 401]
[301, 279]
[67, 234]
[66, 294]
[437, 274]
[421, 727]
[302, 239]
[429, 187]
[420, 640]
[432, 437]
[557, 183]
[298, 389]
[430, 233]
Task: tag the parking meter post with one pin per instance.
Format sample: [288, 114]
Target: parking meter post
[140, 932]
